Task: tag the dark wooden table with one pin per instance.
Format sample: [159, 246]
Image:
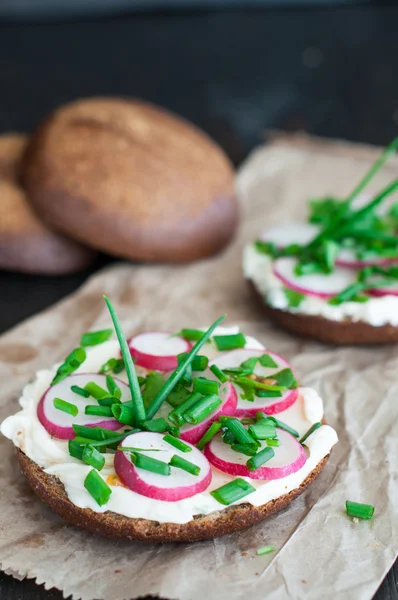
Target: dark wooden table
[333, 72]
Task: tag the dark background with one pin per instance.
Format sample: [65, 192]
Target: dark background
[329, 71]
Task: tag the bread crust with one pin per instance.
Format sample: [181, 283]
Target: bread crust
[132, 180]
[109, 524]
[342, 333]
[26, 244]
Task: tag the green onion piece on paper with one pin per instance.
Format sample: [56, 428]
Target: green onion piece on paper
[265, 550]
[176, 443]
[229, 342]
[100, 411]
[96, 486]
[180, 370]
[92, 457]
[185, 465]
[80, 391]
[232, 491]
[93, 338]
[150, 464]
[260, 458]
[361, 511]
[138, 403]
[209, 435]
[66, 407]
[311, 430]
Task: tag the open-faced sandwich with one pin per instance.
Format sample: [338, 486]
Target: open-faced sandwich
[169, 437]
[335, 277]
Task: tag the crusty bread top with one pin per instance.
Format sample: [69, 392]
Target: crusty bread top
[129, 156]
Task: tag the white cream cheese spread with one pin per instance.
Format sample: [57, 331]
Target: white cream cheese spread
[258, 268]
[28, 434]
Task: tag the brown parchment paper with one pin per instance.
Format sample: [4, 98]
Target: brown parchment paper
[320, 552]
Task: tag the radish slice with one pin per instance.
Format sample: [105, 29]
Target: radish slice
[157, 350]
[318, 284]
[227, 393]
[347, 258]
[290, 233]
[269, 406]
[169, 488]
[58, 423]
[391, 290]
[289, 457]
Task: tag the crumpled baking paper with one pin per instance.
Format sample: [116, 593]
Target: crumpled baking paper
[320, 552]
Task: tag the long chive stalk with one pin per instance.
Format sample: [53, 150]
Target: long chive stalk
[138, 402]
[180, 370]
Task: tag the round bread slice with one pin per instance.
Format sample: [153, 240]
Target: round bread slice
[202, 527]
[343, 333]
[26, 244]
[132, 180]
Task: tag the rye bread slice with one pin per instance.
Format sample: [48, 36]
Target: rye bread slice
[202, 527]
[26, 244]
[132, 180]
[343, 333]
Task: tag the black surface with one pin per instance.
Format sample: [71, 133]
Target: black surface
[332, 72]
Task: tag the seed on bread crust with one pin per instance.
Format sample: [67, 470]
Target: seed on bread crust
[343, 333]
[233, 518]
[132, 180]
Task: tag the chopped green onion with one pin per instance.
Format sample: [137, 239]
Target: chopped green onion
[219, 374]
[209, 435]
[253, 383]
[154, 383]
[134, 449]
[199, 363]
[248, 450]
[66, 407]
[179, 444]
[92, 457]
[272, 441]
[202, 409]
[108, 401]
[93, 338]
[279, 424]
[113, 387]
[176, 415]
[311, 430]
[260, 458]
[150, 464]
[180, 370]
[361, 511]
[205, 386]
[138, 403]
[265, 550]
[232, 491]
[185, 465]
[268, 394]
[228, 437]
[294, 298]
[124, 414]
[111, 442]
[158, 425]
[95, 433]
[263, 429]
[229, 342]
[95, 390]
[178, 395]
[192, 335]
[80, 391]
[101, 411]
[116, 365]
[239, 432]
[97, 487]
[70, 364]
[75, 450]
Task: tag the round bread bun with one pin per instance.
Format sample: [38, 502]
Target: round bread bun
[342, 333]
[132, 180]
[202, 527]
[26, 244]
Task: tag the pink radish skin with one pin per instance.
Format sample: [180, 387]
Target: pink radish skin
[289, 457]
[318, 284]
[170, 488]
[193, 433]
[59, 423]
[269, 406]
[157, 351]
[387, 291]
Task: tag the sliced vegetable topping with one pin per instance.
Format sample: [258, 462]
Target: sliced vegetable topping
[361, 511]
[157, 350]
[66, 407]
[93, 338]
[229, 342]
[96, 486]
[265, 550]
[71, 363]
[233, 491]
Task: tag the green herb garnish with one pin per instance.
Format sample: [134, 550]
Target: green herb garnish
[66, 407]
[185, 465]
[96, 486]
[360, 511]
[232, 491]
[93, 338]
